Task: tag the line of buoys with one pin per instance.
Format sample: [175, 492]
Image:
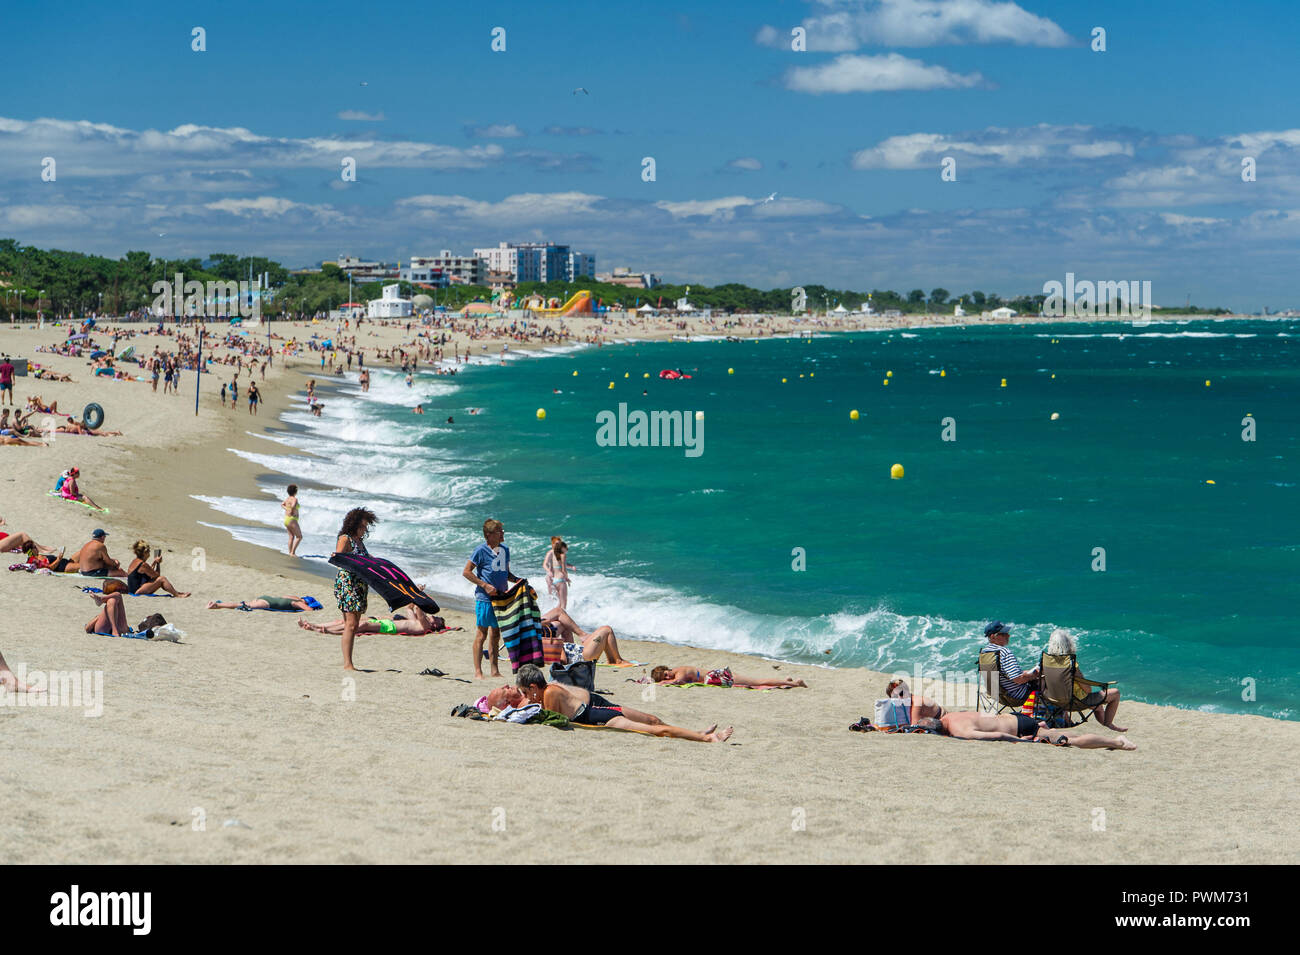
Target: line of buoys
[896, 472]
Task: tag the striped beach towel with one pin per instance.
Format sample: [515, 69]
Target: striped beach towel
[521, 625]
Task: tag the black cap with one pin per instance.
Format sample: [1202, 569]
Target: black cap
[99, 532]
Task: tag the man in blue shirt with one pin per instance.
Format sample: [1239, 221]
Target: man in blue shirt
[488, 569]
[1015, 683]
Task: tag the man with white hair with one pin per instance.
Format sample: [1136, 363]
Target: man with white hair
[1063, 642]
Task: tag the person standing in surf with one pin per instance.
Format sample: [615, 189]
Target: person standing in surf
[350, 591]
[557, 572]
[290, 505]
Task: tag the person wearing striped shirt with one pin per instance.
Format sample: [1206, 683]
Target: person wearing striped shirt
[1016, 683]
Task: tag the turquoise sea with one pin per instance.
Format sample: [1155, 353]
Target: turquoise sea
[1196, 606]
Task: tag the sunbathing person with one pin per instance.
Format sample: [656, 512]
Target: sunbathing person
[111, 619]
[13, 540]
[592, 709]
[71, 492]
[92, 560]
[1017, 728]
[1063, 642]
[419, 626]
[680, 676]
[144, 576]
[561, 635]
[35, 404]
[922, 706]
[79, 427]
[265, 602]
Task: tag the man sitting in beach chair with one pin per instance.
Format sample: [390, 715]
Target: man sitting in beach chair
[1013, 684]
[591, 709]
[1065, 691]
[1017, 728]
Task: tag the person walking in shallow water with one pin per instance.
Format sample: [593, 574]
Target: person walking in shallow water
[350, 590]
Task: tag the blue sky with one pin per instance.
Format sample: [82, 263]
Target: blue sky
[1117, 165]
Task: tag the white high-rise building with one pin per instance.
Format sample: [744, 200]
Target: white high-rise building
[538, 261]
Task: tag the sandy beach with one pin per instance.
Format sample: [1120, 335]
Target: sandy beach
[246, 742]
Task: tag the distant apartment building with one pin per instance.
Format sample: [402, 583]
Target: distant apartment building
[362, 271]
[538, 261]
[445, 269]
[622, 275]
[500, 281]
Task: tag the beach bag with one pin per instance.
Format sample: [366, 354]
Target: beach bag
[894, 711]
[581, 674]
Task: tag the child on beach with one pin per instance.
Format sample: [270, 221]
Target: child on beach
[488, 569]
[555, 564]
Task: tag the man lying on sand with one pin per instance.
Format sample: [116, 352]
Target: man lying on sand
[922, 706]
[265, 602]
[1017, 728]
[418, 627]
[592, 709]
[679, 676]
[561, 634]
[79, 427]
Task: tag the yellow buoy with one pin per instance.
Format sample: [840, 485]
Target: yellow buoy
[1209, 482]
[625, 375]
[1207, 382]
[854, 414]
[731, 371]
[889, 374]
[1053, 376]
[611, 384]
[943, 373]
[1004, 382]
[541, 414]
[1055, 415]
[896, 472]
[646, 375]
[812, 374]
[801, 376]
[783, 381]
[884, 381]
[575, 374]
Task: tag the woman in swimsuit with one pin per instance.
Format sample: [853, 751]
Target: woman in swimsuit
[290, 505]
[14, 540]
[350, 590]
[681, 676]
[557, 572]
[143, 576]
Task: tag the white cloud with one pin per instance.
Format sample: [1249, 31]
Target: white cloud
[919, 23]
[995, 146]
[722, 208]
[495, 131]
[96, 149]
[874, 74]
[745, 162]
[357, 115]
